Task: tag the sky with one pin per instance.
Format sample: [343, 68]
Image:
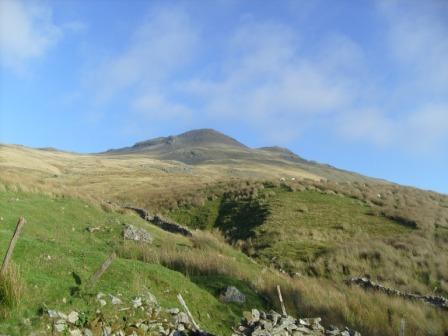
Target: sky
[361, 85]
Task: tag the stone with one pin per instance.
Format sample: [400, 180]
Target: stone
[255, 315]
[115, 300]
[75, 332]
[88, 332]
[52, 313]
[137, 302]
[131, 232]
[73, 317]
[183, 318]
[232, 294]
[60, 325]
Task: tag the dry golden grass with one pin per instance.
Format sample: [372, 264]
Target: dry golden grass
[11, 289]
[131, 178]
[369, 312]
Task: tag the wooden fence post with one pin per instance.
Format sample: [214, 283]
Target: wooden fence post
[402, 326]
[12, 244]
[281, 300]
[184, 305]
[99, 272]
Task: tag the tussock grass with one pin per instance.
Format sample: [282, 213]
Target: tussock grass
[369, 312]
[11, 289]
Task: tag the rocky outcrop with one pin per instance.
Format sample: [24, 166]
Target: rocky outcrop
[258, 323]
[143, 213]
[162, 223]
[438, 301]
[232, 294]
[131, 232]
[169, 226]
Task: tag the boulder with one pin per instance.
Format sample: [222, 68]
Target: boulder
[232, 294]
[131, 232]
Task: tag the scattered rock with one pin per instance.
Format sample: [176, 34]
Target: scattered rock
[115, 300]
[73, 317]
[131, 232]
[141, 316]
[232, 294]
[438, 301]
[92, 229]
[259, 323]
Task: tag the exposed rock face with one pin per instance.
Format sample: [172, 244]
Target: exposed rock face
[170, 226]
[232, 294]
[143, 213]
[438, 301]
[131, 232]
[162, 223]
[259, 323]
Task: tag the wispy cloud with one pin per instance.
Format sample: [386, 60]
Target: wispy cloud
[159, 47]
[269, 82]
[270, 76]
[27, 31]
[414, 110]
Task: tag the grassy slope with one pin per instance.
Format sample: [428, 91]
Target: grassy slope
[56, 227]
[135, 178]
[325, 235]
[204, 263]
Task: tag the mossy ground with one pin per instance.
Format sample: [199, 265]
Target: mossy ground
[55, 250]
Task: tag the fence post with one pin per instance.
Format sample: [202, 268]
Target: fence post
[402, 326]
[281, 300]
[184, 305]
[12, 244]
[99, 272]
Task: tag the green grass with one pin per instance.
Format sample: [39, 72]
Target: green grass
[54, 245]
[309, 232]
[202, 266]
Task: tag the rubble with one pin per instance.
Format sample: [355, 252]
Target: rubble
[140, 316]
[143, 315]
[131, 232]
[438, 301]
[259, 323]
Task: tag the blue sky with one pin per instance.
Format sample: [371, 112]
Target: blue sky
[362, 85]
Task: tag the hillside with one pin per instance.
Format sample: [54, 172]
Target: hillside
[209, 147]
[57, 254]
[263, 217]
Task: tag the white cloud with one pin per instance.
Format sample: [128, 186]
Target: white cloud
[268, 77]
[159, 47]
[367, 124]
[424, 130]
[156, 106]
[269, 82]
[414, 104]
[27, 31]
[417, 35]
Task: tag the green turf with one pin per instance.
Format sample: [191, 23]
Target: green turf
[292, 227]
[56, 227]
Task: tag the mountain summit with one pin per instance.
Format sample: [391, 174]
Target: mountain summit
[210, 147]
[195, 138]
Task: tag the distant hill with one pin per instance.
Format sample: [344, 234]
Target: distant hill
[208, 146]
